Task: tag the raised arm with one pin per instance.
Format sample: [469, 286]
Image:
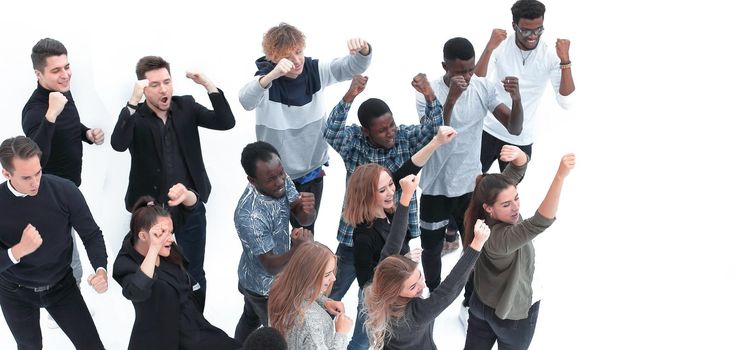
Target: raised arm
[567, 85]
[122, 135]
[39, 122]
[497, 36]
[221, 117]
[457, 86]
[334, 131]
[303, 208]
[401, 217]
[512, 119]
[548, 208]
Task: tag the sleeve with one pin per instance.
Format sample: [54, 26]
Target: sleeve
[506, 239]
[514, 172]
[122, 134]
[220, 118]
[363, 255]
[5, 260]
[421, 105]
[38, 128]
[343, 68]
[135, 284]
[398, 232]
[252, 94]
[316, 338]
[83, 133]
[291, 192]
[86, 227]
[408, 168]
[420, 135]
[254, 230]
[335, 132]
[426, 310]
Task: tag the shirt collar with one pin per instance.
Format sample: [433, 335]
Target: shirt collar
[14, 192]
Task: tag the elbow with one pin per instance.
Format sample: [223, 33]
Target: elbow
[515, 131]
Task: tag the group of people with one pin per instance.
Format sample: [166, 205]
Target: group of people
[291, 284]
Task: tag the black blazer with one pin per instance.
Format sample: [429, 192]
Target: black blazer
[140, 134]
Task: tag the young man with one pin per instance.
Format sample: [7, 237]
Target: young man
[287, 95]
[37, 213]
[162, 135]
[262, 221]
[449, 176]
[376, 140]
[523, 55]
[50, 118]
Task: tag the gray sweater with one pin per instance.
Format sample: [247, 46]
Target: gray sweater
[317, 332]
[504, 271]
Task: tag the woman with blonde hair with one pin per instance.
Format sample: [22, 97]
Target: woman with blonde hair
[504, 305]
[296, 302]
[397, 315]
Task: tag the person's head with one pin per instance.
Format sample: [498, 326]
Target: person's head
[377, 123]
[370, 192]
[265, 338]
[396, 280]
[459, 58]
[160, 88]
[50, 63]
[528, 22]
[262, 164]
[21, 161]
[285, 41]
[494, 199]
[146, 215]
[309, 273]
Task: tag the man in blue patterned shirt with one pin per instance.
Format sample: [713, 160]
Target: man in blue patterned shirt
[262, 222]
[376, 140]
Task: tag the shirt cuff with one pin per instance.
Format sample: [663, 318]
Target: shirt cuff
[101, 268]
[12, 258]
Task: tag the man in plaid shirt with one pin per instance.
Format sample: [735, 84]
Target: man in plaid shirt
[376, 140]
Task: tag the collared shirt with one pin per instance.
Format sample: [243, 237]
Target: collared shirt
[355, 150]
[541, 66]
[262, 223]
[174, 165]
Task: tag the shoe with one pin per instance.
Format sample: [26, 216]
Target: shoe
[463, 316]
[51, 323]
[449, 247]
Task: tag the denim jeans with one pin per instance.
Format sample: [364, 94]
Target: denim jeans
[360, 339]
[485, 328]
[191, 238]
[345, 272]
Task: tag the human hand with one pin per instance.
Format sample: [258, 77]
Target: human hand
[509, 153]
[57, 101]
[138, 89]
[408, 184]
[307, 202]
[415, 255]
[511, 85]
[343, 324]
[283, 67]
[445, 134]
[421, 84]
[356, 45]
[482, 232]
[30, 240]
[301, 235]
[98, 281]
[457, 86]
[566, 164]
[96, 135]
[180, 194]
[334, 307]
[563, 50]
[497, 37]
[357, 85]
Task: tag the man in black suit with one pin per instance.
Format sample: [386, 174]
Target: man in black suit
[163, 138]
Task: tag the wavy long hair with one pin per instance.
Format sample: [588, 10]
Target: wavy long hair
[360, 195]
[383, 305]
[298, 283]
[487, 188]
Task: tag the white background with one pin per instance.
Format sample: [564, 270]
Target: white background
[640, 255]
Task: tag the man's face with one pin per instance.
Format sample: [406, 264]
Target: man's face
[464, 68]
[528, 32]
[297, 58]
[382, 131]
[159, 90]
[26, 176]
[56, 75]
[270, 178]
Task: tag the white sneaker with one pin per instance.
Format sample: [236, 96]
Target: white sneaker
[51, 323]
[463, 316]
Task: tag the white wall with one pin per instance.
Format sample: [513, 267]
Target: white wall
[639, 257]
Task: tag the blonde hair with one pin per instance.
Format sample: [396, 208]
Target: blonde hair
[280, 41]
[383, 305]
[360, 203]
[299, 282]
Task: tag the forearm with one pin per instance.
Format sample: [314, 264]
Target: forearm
[481, 69]
[252, 94]
[567, 85]
[447, 111]
[149, 263]
[549, 205]
[273, 264]
[422, 156]
[398, 232]
[516, 120]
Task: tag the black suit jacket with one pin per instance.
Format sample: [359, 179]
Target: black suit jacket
[140, 134]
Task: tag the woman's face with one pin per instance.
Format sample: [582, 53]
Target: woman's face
[506, 207]
[385, 189]
[414, 285]
[329, 276]
[166, 226]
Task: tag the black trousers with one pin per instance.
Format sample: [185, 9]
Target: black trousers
[21, 308]
[315, 186]
[192, 238]
[490, 149]
[255, 314]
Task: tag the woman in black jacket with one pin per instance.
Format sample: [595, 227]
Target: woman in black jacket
[152, 271]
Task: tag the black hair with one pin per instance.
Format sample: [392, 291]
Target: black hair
[145, 213]
[371, 109]
[254, 152]
[149, 63]
[458, 49]
[265, 338]
[43, 49]
[527, 9]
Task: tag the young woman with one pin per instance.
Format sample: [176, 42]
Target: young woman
[503, 306]
[369, 207]
[297, 297]
[397, 316]
[152, 272]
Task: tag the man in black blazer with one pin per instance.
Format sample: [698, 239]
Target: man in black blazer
[163, 138]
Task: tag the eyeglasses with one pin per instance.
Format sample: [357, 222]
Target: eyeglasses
[528, 32]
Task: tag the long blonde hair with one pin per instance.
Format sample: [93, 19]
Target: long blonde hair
[300, 281]
[383, 305]
[360, 203]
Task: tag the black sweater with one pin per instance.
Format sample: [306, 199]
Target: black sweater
[60, 142]
[58, 206]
